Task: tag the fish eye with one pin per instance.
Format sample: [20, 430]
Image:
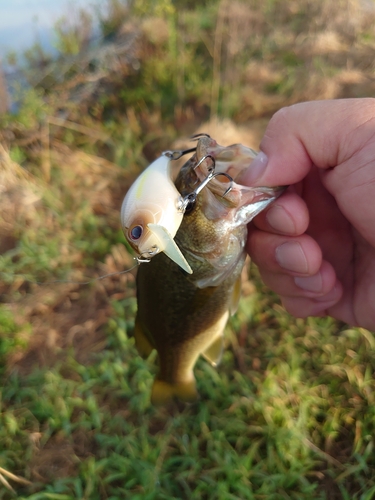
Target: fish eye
[136, 232]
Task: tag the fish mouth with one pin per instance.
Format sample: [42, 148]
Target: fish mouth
[262, 197]
[219, 170]
[213, 232]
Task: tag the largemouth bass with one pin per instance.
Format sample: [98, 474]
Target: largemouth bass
[183, 315]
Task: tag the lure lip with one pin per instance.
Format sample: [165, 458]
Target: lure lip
[169, 246]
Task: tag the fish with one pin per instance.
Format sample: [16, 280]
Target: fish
[184, 315]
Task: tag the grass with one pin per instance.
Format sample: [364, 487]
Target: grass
[289, 414]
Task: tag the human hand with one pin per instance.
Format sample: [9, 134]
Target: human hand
[315, 246]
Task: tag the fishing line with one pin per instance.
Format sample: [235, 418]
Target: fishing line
[99, 278]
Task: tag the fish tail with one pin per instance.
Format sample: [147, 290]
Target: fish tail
[164, 392]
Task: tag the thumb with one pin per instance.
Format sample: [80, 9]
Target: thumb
[323, 133]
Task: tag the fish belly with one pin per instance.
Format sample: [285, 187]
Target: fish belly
[181, 321]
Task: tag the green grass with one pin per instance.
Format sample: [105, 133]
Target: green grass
[298, 415]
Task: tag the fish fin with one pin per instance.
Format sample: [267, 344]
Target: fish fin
[214, 351]
[236, 295]
[164, 392]
[142, 343]
[169, 246]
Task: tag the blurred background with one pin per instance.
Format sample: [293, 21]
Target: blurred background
[90, 94]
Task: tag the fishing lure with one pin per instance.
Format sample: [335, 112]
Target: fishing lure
[152, 212]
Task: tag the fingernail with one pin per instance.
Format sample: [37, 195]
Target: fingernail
[291, 257]
[279, 219]
[255, 170]
[310, 283]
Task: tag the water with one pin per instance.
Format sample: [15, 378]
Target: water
[25, 22]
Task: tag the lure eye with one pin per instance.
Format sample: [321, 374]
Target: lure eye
[136, 232]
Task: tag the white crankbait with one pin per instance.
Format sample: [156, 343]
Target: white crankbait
[152, 212]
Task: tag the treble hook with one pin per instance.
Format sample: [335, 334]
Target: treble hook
[196, 137]
[230, 179]
[210, 169]
[176, 155]
[191, 197]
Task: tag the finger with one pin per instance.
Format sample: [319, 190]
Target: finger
[317, 285]
[287, 215]
[323, 133]
[302, 307]
[298, 256]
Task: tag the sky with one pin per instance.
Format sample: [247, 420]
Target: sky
[23, 22]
